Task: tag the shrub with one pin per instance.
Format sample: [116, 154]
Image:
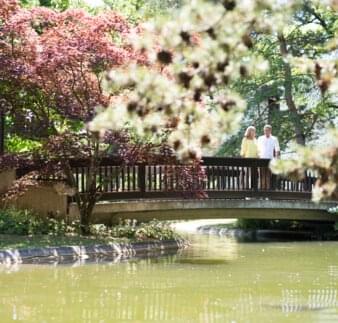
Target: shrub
[25, 222]
[20, 222]
[152, 230]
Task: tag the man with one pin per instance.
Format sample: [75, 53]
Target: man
[268, 147]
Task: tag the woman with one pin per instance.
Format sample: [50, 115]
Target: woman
[249, 148]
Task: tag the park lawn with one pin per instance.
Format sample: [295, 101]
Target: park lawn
[18, 241]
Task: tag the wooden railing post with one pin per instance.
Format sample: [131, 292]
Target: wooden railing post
[142, 179]
[254, 178]
[274, 182]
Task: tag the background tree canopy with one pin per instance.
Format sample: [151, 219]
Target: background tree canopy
[287, 97]
[133, 10]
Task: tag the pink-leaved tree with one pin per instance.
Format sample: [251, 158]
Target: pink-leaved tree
[52, 79]
[52, 71]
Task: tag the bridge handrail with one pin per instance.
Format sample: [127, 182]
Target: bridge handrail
[224, 177]
[235, 161]
[206, 160]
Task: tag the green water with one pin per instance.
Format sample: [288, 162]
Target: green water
[215, 280]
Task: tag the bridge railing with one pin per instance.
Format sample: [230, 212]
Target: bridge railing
[223, 178]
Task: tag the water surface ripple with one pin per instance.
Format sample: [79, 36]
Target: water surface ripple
[215, 280]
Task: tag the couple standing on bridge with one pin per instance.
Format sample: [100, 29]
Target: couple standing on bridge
[266, 146]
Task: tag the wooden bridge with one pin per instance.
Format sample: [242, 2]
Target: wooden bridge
[233, 187]
[221, 177]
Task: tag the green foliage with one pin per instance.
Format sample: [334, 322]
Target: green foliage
[153, 230]
[18, 222]
[307, 36]
[36, 241]
[140, 10]
[55, 4]
[16, 144]
[24, 222]
[134, 10]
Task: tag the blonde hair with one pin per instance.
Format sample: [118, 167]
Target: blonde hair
[267, 126]
[248, 130]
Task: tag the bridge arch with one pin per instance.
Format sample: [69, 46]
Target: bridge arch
[193, 209]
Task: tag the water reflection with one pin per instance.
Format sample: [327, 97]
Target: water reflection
[217, 280]
[72, 262]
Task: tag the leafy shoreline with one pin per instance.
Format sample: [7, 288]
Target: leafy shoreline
[24, 229]
[17, 241]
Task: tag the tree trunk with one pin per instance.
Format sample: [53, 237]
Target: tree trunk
[84, 222]
[295, 117]
[273, 110]
[87, 200]
[81, 200]
[2, 131]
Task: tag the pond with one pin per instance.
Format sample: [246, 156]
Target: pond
[215, 280]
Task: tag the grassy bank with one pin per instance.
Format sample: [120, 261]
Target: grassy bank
[17, 241]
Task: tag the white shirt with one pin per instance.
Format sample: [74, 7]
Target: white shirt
[267, 145]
